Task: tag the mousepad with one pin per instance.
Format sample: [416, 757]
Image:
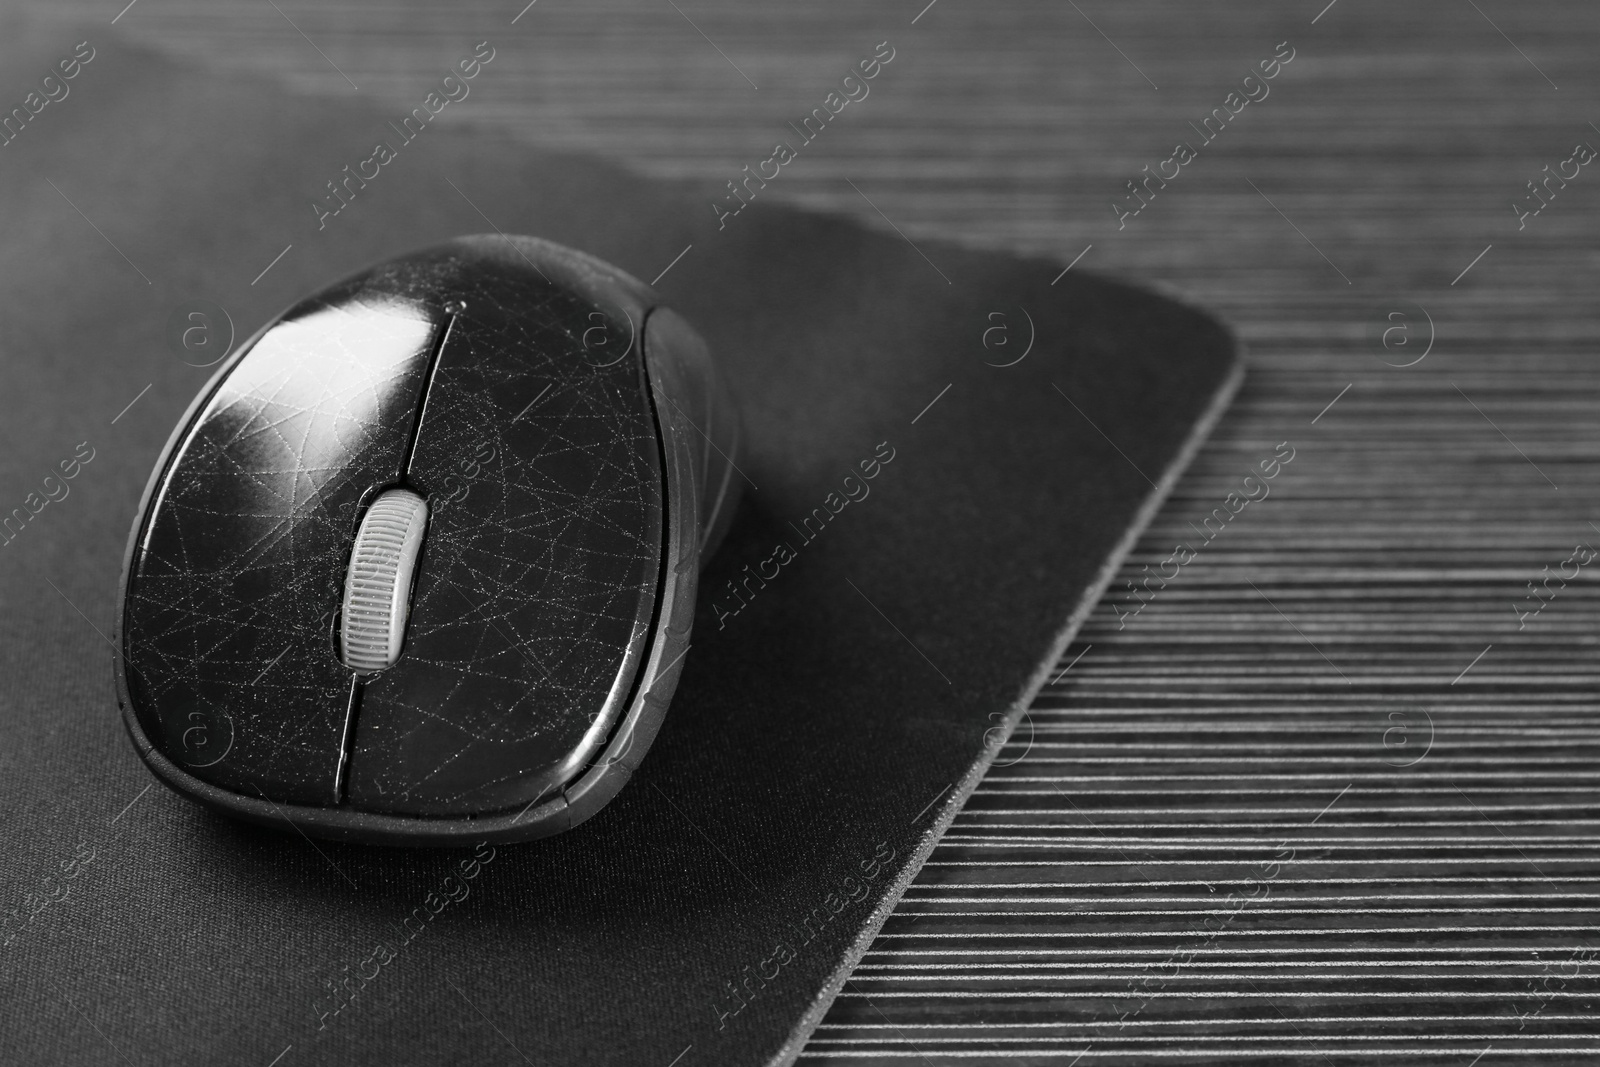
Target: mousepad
[949, 451]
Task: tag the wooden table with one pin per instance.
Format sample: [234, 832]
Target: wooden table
[1328, 796]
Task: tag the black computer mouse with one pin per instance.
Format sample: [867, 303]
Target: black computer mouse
[418, 565]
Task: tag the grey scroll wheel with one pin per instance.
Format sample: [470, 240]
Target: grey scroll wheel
[377, 588]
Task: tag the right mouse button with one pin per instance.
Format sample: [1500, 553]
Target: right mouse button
[538, 576]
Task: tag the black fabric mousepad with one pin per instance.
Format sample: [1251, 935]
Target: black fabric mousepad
[928, 514]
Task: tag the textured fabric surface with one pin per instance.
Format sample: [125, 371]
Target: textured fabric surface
[830, 718]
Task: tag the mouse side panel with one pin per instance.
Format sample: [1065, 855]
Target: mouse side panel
[699, 453]
[694, 399]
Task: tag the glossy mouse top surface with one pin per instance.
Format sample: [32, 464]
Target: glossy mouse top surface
[510, 393]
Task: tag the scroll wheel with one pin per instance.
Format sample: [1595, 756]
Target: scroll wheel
[377, 589]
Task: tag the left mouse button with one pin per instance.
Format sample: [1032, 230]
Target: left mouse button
[228, 640]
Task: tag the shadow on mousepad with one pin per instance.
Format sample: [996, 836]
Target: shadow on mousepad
[862, 641]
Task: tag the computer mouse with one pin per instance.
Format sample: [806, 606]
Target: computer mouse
[418, 565]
